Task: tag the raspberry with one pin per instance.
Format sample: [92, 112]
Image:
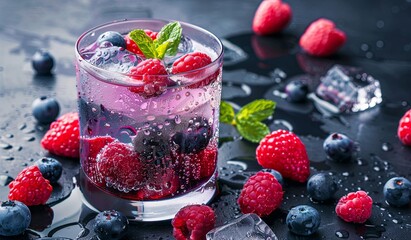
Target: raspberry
[261, 194]
[283, 151]
[63, 137]
[404, 129]
[30, 187]
[90, 147]
[120, 167]
[322, 38]
[199, 165]
[272, 16]
[193, 222]
[162, 184]
[132, 46]
[153, 75]
[354, 207]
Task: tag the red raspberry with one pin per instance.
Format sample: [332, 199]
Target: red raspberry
[30, 187]
[272, 16]
[159, 186]
[193, 222]
[404, 129]
[322, 38]
[283, 151]
[90, 148]
[261, 194]
[121, 167]
[153, 75]
[63, 137]
[132, 46]
[355, 207]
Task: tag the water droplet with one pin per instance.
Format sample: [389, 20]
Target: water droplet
[7, 158]
[342, 234]
[178, 97]
[364, 47]
[380, 24]
[5, 180]
[177, 119]
[107, 125]
[151, 118]
[29, 139]
[5, 146]
[22, 126]
[369, 55]
[386, 146]
[379, 44]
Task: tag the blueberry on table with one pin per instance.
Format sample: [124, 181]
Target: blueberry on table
[45, 109]
[50, 168]
[296, 91]
[322, 186]
[397, 191]
[15, 218]
[114, 37]
[42, 62]
[303, 220]
[110, 225]
[276, 174]
[339, 147]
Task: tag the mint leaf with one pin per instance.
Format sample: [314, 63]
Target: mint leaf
[170, 32]
[144, 42]
[252, 131]
[256, 111]
[226, 113]
[162, 48]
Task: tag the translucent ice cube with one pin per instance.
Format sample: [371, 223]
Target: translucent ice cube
[233, 54]
[349, 89]
[248, 226]
[185, 46]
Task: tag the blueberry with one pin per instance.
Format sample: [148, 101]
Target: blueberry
[339, 147]
[110, 225]
[114, 37]
[303, 220]
[276, 174]
[397, 191]
[50, 168]
[42, 62]
[322, 186]
[195, 138]
[15, 218]
[296, 91]
[45, 110]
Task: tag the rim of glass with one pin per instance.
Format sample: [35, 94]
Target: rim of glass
[95, 69]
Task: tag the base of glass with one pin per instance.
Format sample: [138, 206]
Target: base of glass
[145, 211]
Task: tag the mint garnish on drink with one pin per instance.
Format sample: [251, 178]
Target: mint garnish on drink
[167, 41]
[248, 119]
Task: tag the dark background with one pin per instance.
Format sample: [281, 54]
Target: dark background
[378, 41]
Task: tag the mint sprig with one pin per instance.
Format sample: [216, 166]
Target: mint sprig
[167, 41]
[248, 119]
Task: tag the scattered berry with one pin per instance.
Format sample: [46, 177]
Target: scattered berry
[193, 222]
[63, 137]
[261, 194]
[322, 38]
[404, 129]
[303, 220]
[276, 174]
[397, 191]
[296, 91]
[45, 110]
[339, 147]
[50, 168]
[196, 138]
[160, 185]
[272, 16]
[114, 38]
[153, 75]
[354, 207]
[120, 167]
[30, 187]
[110, 225]
[42, 62]
[283, 151]
[15, 218]
[322, 186]
[132, 46]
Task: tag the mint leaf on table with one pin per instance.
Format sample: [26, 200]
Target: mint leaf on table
[144, 42]
[226, 113]
[170, 32]
[249, 117]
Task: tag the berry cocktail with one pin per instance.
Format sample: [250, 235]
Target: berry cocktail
[149, 94]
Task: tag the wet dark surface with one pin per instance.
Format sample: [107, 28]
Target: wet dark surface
[379, 42]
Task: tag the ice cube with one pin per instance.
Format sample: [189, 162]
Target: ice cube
[248, 226]
[233, 54]
[185, 46]
[349, 89]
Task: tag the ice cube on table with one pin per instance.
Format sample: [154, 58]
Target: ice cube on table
[349, 89]
[248, 226]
